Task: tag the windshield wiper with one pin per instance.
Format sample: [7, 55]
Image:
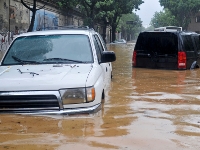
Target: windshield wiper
[63, 59]
[25, 61]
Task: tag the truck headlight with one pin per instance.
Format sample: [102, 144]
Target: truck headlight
[77, 96]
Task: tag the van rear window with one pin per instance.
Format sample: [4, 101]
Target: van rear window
[188, 43]
[160, 42]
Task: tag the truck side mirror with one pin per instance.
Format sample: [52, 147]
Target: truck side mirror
[108, 56]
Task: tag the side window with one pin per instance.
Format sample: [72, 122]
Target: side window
[99, 43]
[104, 44]
[197, 42]
[188, 43]
[98, 46]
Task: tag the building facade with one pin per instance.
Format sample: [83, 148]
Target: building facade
[195, 23]
[15, 19]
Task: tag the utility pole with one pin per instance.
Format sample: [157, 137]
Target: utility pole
[9, 22]
[44, 19]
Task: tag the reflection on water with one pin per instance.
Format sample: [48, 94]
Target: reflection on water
[175, 92]
[144, 109]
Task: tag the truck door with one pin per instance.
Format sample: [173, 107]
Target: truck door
[99, 51]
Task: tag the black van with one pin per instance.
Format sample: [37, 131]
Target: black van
[167, 50]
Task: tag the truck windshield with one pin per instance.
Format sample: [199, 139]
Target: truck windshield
[49, 49]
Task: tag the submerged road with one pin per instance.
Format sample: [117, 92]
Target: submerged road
[144, 109]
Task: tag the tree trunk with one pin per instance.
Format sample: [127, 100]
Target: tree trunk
[30, 29]
[114, 27]
[34, 9]
[104, 30]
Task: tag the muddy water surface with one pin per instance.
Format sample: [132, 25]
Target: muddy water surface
[144, 109]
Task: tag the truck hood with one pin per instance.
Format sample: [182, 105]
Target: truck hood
[43, 77]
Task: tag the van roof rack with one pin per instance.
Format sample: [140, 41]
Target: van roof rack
[168, 28]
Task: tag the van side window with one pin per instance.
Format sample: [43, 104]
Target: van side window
[188, 43]
[197, 43]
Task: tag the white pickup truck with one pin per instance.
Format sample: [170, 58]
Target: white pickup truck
[55, 72]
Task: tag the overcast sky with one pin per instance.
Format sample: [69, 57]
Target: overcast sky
[147, 10]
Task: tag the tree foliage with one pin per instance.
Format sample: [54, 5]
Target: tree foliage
[91, 9]
[67, 6]
[183, 10]
[163, 18]
[150, 28]
[95, 11]
[129, 31]
[106, 11]
[66, 3]
[122, 7]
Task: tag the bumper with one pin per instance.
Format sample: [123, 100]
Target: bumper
[88, 110]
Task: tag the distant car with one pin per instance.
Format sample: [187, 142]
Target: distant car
[167, 50]
[120, 41]
[55, 72]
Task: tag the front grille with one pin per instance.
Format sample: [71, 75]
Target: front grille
[28, 102]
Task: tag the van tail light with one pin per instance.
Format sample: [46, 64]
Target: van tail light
[181, 60]
[134, 58]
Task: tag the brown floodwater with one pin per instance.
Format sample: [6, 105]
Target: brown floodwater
[144, 109]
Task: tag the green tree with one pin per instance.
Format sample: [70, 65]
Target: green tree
[150, 28]
[122, 7]
[66, 4]
[183, 10]
[163, 18]
[107, 12]
[129, 25]
[89, 8]
[93, 10]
